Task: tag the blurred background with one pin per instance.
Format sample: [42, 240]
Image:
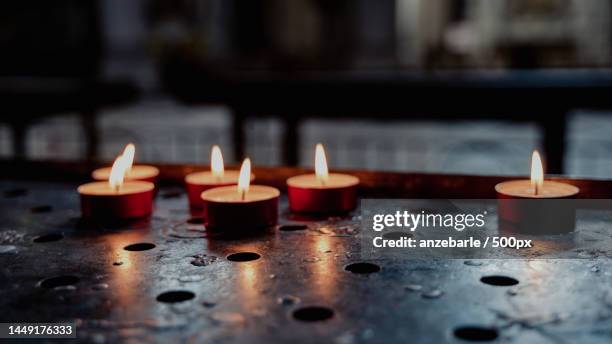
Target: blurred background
[80, 78]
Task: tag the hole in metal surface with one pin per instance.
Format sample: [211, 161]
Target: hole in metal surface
[291, 228]
[476, 333]
[498, 280]
[174, 296]
[362, 268]
[141, 246]
[243, 256]
[196, 221]
[313, 313]
[49, 237]
[172, 194]
[59, 281]
[41, 209]
[17, 192]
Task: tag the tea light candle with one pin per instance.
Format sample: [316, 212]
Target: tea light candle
[115, 199]
[134, 172]
[199, 182]
[536, 206]
[322, 192]
[240, 207]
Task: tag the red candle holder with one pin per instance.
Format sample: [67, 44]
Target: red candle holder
[308, 195]
[225, 209]
[551, 211]
[133, 200]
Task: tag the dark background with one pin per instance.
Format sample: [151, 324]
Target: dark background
[79, 79]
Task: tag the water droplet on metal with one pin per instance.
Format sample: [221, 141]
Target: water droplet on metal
[65, 288]
[324, 230]
[432, 294]
[588, 253]
[99, 286]
[203, 260]
[10, 236]
[413, 287]
[288, 300]
[191, 278]
[230, 318]
[473, 263]
[312, 260]
[8, 249]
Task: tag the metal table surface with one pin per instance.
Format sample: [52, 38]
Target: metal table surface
[55, 268]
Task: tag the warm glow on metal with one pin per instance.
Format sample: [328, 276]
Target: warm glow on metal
[128, 156]
[216, 162]
[117, 174]
[537, 172]
[321, 164]
[244, 180]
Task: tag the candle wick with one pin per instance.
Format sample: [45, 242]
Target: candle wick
[321, 180]
[536, 189]
[243, 195]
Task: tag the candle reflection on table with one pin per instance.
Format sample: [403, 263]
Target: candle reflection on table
[248, 277]
[250, 282]
[126, 272]
[324, 270]
[537, 303]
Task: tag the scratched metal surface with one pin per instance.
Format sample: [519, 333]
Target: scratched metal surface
[114, 295]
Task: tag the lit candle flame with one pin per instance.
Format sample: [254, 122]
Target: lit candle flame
[321, 164]
[128, 156]
[216, 162]
[117, 174]
[537, 172]
[244, 180]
